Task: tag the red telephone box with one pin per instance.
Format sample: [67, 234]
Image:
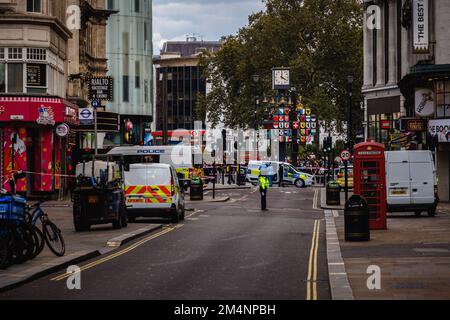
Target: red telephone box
[369, 176]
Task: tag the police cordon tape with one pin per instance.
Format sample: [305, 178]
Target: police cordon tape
[9, 177]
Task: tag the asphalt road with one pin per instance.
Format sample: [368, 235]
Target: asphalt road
[223, 251]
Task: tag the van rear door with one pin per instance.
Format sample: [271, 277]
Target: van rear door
[398, 178]
[159, 185]
[135, 188]
[422, 177]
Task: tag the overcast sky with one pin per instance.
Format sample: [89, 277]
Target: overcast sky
[211, 19]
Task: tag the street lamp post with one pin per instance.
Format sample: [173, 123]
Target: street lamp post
[256, 81]
[350, 80]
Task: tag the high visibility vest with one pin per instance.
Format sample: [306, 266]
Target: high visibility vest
[264, 183]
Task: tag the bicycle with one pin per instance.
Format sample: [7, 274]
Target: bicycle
[51, 233]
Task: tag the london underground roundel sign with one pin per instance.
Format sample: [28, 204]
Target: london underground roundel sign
[346, 155]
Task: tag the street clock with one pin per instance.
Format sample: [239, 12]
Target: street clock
[281, 78]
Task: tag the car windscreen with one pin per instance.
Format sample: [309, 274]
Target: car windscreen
[148, 176]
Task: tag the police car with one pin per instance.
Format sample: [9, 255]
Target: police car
[290, 174]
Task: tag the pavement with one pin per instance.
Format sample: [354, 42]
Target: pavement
[79, 246]
[221, 252]
[413, 257]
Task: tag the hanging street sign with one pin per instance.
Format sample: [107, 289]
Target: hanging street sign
[100, 88]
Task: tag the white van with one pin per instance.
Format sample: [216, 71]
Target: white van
[290, 174]
[153, 190]
[411, 182]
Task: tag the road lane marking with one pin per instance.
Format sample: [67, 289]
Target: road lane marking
[316, 200]
[315, 262]
[311, 288]
[121, 252]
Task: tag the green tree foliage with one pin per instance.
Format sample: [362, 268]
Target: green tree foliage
[320, 40]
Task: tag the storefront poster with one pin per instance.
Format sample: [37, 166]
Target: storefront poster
[19, 158]
[439, 129]
[44, 162]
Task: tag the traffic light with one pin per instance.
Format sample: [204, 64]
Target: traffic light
[328, 144]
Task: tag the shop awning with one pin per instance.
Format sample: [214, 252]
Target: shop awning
[41, 111]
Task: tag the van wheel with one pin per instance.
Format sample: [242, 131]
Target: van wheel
[182, 214]
[175, 217]
[300, 183]
[131, 218]
[432, 213]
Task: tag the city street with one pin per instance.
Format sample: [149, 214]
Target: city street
[222, 251]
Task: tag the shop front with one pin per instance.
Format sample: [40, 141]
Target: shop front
[439, 130]
[36, 137]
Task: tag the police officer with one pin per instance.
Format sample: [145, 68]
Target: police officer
[263, 188]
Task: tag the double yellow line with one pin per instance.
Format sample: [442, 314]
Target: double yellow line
[311, 284]
[119, 253]
[316, 199]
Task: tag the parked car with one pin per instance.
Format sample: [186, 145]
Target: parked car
[411, 182]
[153, 190]
[290, 174]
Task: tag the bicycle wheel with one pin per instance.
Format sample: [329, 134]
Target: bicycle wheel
[39, 239]
[54, 238]
[24, 234]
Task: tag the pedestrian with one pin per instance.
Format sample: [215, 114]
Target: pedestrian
[263, 188]
[270, 174]
[280, 175]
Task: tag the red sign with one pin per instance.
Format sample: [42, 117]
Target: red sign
[346, 155]
[385, 124]
[44, 111]
[295, 125]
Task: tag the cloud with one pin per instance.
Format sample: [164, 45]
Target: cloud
[209, 19]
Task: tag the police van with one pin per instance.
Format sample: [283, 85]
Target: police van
[153, 190]
[181, 157]
[290, 174]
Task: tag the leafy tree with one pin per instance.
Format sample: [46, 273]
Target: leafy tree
[320, 40]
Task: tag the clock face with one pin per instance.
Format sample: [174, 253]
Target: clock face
[281, 77]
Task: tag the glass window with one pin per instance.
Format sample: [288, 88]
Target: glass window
[443, 99]
[137, 80]
[137, 6]
[15, 53]
[2, 53]
[110, 4]
[2, 77]
[125, 89]
[15, 77]
[34, 5]
[36, 54]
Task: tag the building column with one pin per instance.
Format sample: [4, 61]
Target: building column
[392, 43]
[403, 112]
[368, 55]
[381, 78]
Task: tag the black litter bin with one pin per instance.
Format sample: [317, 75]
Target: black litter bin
[333, 194]
[196, 190]
[357, 225]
